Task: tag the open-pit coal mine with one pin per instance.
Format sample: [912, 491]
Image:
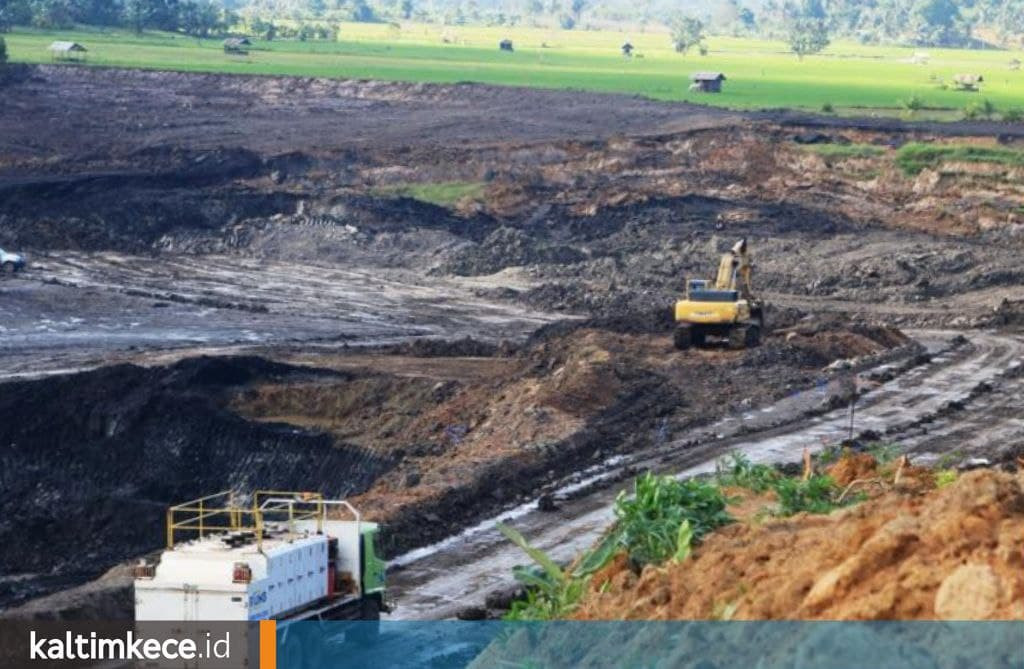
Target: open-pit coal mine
[255, 283]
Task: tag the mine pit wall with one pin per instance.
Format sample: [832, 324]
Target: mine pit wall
[90, 462]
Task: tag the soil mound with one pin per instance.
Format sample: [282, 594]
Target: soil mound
[89, 462]
[954, 553]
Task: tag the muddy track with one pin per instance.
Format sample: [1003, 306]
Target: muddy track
[937, 398]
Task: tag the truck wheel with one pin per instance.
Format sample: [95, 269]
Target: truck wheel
[9, 268]
[753, 336]
[697, 337]
[738, 337]
[683, 338]
[367, 630]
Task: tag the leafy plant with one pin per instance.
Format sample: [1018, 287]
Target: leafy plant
[972, 110]
[818, 494]
[650, 521]
[945, 477]
[949, 459]
[684, 542]
[912, 104]
[987, 109]
[883, 453]
[827, 108]
[1013, 115]
[736, 470]
[552, 592]
[830, 454]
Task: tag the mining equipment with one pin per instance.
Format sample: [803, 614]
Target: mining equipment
[726, 308]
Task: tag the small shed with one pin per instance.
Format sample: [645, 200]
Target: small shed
[505, 45]
[239, 45]
[627, 50]
[968, 82]
[707, 82]
[67, 51]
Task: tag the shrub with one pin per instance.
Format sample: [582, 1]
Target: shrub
[3, 51]
[827, 108]
[912, 105]
[818, 494]
[1013, 115]
[737, 470]
[649, 522]
[883, 453]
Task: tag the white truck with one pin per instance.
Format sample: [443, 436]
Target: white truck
[285, 556]
[11, 262]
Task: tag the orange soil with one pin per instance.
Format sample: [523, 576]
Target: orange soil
[912, 552]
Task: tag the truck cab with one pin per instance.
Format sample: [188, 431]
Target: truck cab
[11, 262]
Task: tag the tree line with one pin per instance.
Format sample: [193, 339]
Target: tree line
[807, 25]
[200, 18]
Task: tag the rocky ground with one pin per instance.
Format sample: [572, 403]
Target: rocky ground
[439, 360]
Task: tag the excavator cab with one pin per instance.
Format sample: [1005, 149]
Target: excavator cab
[726, 308]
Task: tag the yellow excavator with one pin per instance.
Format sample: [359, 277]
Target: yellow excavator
[726, 309]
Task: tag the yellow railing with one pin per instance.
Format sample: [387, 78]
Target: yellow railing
[214, 514]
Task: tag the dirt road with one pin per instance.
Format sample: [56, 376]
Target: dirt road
[921, 408]
[76, 311]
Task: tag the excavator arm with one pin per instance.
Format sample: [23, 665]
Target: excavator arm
[734, 270]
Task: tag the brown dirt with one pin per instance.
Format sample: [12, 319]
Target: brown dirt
[459, 427]
[954, 553]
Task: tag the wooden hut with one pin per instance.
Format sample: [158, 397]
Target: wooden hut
[627, 50]
[505, 45]
[707, 82]
[67, 51]
[237, 45]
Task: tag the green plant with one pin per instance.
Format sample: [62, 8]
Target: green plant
[883, 453]
[1013, 115]
[830, 454]
[915, 156]
[912, 104]
[3, 51]
[944, 477]
[650, 521]
[949, 459]
[443, 194]
[827, 108]
[818, 494]
[550, 592]
[736, 470]
[973, 110]
[684, 542]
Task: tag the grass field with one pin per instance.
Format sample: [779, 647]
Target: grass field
[761, 74]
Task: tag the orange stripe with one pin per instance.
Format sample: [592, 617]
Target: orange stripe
[268, 644]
